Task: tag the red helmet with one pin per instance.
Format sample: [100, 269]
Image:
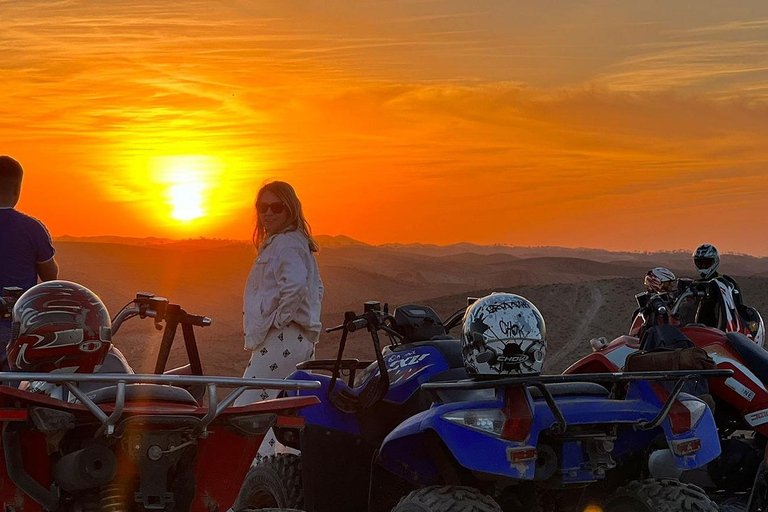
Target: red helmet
[659, 280]
[59, 325]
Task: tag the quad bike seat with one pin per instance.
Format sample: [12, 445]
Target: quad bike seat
[450, 349]
[755, 357]
[154, 392]
[114, 362]
[563, 389]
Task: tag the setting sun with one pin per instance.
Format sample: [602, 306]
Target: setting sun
[186, 199]
[186, 184]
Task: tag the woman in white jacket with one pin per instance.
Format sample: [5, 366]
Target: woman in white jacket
[282, 295]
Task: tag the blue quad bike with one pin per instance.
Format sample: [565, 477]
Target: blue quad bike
[409, 432]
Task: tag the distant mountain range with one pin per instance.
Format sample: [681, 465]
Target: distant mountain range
[581, 292]
[673, 259]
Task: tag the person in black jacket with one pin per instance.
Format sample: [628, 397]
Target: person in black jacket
[706, 258]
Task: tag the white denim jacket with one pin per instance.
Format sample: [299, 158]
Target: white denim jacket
[283, 286]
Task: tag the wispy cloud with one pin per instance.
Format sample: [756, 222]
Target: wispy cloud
[491, 123]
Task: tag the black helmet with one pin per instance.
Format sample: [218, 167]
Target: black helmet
[707, 259]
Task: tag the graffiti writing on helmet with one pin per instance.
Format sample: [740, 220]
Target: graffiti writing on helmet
[511, 329]
[508, 305]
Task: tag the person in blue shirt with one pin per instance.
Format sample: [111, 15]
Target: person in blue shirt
[26, 250]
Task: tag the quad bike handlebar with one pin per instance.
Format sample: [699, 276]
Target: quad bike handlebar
[374, 319]
[160, 309]
[700, 290]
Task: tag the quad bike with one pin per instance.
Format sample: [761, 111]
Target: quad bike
[410, 432]
[740, 401]
[116, 441]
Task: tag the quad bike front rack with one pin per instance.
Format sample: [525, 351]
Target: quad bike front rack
[121, 381]
[540, 382]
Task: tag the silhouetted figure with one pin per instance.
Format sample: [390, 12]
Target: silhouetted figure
[26, 250]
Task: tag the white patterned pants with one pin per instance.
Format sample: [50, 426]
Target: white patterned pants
[276, 358]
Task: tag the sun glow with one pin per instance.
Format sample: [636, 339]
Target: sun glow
[187, 183]
[186, 199]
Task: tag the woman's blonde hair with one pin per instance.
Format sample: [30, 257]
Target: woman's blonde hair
[296, 219]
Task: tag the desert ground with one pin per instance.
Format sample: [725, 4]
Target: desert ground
[582, 293]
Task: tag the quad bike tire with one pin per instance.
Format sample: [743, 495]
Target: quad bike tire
[447, 499]
[273, 483]
[655, 495]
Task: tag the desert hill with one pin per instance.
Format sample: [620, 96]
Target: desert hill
[582, 293]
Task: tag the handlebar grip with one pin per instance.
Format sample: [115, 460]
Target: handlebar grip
[200, 321]
[358, 323]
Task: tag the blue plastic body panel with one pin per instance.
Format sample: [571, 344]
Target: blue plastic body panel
[475, 450]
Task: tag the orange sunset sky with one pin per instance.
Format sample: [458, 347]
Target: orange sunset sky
[620, 125]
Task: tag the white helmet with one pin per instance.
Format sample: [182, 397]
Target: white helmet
[707, 259]
[659, 280]
[503, 334]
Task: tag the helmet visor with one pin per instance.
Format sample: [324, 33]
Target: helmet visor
[703, 263]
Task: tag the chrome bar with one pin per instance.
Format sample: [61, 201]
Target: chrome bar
[108, 423]
[118, 410]
[95, 409]
[124, 315]
[228, 400]
[173, 380]
[212, 402]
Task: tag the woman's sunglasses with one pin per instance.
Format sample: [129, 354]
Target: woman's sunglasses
[277, 208]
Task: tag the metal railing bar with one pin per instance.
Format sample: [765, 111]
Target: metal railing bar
[560, 422]
[648, 425]
[118, 408]
[228, 400]
[213, 401]
[174, 380]
[583, 377]
[100, 415]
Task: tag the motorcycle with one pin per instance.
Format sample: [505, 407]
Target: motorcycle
[409, 431]
[116, 441]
